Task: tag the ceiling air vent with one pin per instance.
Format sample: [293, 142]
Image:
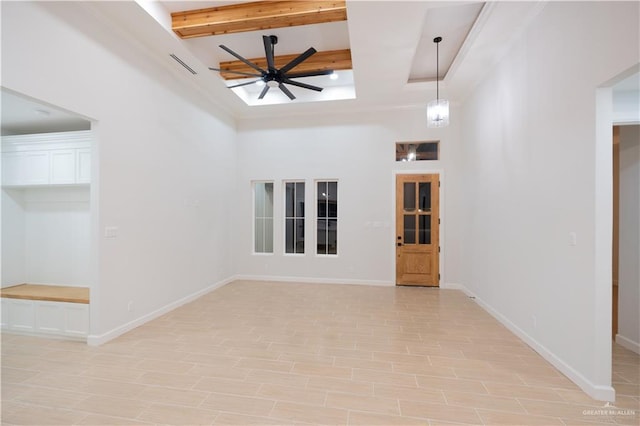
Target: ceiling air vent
[181, 62]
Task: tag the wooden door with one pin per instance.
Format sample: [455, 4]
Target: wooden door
[417, 230]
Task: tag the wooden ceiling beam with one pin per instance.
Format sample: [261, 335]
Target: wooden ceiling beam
[320, 61]
[256, 16]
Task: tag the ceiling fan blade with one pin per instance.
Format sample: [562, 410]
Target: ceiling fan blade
[286, 91]
[243, 84]
[295, 62]
[310, 74]
[264, 91]
[249, 63]
[236, 72]
[268, 52]
[303, 85]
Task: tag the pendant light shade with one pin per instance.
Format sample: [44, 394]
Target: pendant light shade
[438, 110]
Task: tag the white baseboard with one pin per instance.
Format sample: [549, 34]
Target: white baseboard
[309, 280]
[97, 340]
[599, 392]
[628, 343]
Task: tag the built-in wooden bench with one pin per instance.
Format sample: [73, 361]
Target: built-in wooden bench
[52, 293]
[46, 309]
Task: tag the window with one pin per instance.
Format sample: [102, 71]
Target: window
[327, 221]
[263, 223]
[294, 217]
[417, 151]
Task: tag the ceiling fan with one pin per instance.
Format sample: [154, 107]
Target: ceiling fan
[273, 76]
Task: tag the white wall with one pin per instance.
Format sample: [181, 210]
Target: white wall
[46, 238]
[13, 238]
[529, 139]
[57, 236]
[629, 248]
[626, 106]
[359, 151]
[162, 161]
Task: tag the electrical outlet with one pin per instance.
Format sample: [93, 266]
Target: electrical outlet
[130, 306]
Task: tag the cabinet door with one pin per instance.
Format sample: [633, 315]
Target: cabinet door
[36, 168]
[13, 164]
[49, 317]
[21, 315]
[83, 166]
[63, 166]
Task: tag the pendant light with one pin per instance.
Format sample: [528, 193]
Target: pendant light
[438, 110]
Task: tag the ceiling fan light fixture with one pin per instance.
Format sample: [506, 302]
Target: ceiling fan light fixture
[438, 110]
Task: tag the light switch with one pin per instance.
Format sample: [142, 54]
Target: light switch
[111, 232]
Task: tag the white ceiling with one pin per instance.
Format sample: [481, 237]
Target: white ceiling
[20, 115]
[391, 42]
[391, 68]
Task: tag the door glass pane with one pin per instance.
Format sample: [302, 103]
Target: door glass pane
[409, 229]
[425, 229]
[409, 196]
[425, 196]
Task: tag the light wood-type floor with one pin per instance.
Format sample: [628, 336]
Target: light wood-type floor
[287, 353]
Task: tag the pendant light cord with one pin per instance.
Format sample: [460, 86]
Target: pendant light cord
[437, 41]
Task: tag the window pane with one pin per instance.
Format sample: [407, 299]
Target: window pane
[322, 199]
[299, 199]
[409, 196]
[322, 236]
[299, 248]
[417, 151]
[326, 229]
[268, 199]
[332, 236]
[425, 229]
[263, 215]
[425, 196]
[332, 199]
[290, 199]
[289, 236]
[409, 229]
[294, 223]
[259, 243]
[259, 200]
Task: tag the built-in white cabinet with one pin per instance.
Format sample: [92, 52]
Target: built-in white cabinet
[46, 159]
[63, 319]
